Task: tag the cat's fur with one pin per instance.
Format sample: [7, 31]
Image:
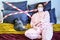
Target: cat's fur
[18, 25]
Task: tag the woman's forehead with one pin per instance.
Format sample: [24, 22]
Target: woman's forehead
[40, 5]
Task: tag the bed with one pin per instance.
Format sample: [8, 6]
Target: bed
[7, 32]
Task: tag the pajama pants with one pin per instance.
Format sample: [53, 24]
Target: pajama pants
[46, 31]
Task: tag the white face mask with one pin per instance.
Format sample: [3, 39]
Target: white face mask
[40, 9]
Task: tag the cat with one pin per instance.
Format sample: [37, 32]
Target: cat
[18, 25]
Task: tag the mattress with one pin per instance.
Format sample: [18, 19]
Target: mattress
[7, 28]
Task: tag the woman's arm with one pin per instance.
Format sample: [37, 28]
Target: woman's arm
[32, 23]
[33, 20]
[47, 17]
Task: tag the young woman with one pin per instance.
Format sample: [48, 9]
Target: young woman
[41, 21]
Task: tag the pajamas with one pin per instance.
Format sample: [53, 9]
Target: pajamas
[42, 20]
[41, 27]
[32, 33]
[47, 32]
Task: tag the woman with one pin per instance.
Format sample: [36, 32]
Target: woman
[41, 21]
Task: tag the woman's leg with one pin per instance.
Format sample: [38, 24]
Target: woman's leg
[47, 33]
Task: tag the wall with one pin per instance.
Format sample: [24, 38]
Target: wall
[56, 5]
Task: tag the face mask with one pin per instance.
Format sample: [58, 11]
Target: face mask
[40, 9]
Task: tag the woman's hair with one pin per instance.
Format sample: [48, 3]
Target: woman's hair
[38, 4]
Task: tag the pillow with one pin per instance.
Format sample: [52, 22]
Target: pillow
[52, 16]
[48, 6]
[20, 5]
[31, 7]
[10, 19]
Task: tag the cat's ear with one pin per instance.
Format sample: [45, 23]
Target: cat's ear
[15, 21]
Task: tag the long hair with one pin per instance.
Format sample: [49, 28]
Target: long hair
[38, 4]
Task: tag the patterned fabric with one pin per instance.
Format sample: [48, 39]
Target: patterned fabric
[43, 22]
[17, 8]
[42, 17]
[21, 5]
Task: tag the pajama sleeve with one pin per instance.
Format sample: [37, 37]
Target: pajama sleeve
[47, 17]
[32, 21]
